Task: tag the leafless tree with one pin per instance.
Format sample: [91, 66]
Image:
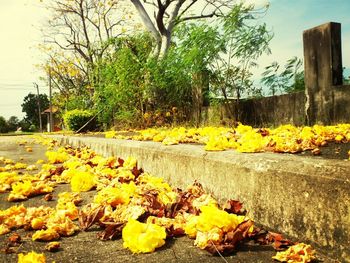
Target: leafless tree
[84, 28]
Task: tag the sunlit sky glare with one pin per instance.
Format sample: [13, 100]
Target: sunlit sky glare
[21, 21]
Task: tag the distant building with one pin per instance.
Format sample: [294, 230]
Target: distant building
[56, 120]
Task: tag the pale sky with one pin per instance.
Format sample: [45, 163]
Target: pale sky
[21, 20]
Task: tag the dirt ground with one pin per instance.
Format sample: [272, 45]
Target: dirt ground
[85, 247]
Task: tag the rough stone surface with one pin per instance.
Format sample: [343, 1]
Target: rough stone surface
[323, 69]
[341, 102]
[307, 198]
[274, 110]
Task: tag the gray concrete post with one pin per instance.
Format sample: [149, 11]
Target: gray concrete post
[323, 69]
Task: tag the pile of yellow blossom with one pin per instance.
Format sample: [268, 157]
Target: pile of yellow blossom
[243, 138]
[141, 209]
[297, 253]
[31, 257]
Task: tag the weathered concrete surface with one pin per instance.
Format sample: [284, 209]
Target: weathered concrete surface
[307, 198]
[323, 69]
[341, 104]
[266, 111]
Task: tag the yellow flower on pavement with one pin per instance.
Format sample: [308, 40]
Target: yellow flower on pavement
[45, 235]
[82, 181]
[143, 238]
[298, 253]
[112, 196]
[31, 257]
[59, 156]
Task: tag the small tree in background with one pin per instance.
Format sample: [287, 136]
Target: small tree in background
[3, 125]
[13, 123]
[30, 107]
[290, 79]
[79, 120]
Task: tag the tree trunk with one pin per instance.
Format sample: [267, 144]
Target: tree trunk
[164, 45]
[200, 84]
[146, 20]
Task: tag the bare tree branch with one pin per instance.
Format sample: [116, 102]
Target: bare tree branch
[146, 19]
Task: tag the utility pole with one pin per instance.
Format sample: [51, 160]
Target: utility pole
[50, 95]
[38, 101]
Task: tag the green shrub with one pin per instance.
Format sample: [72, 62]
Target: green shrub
[75, 119]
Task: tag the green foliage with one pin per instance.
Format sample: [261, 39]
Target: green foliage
[126, 82]
[121, 92]
[30, 107]
[290, 79]
[245, 41]
[13, 123]
[176, 80]
[346, 81]
[197, 45]
[271, 79]
[3, 125]
[170, 85]
[25, 125]
[76, 119]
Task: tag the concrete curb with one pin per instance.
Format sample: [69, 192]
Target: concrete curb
[307, 198]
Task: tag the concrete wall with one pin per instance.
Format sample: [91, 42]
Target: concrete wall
[303, 197]
[289, 109]
[274, 110]
[341, 104]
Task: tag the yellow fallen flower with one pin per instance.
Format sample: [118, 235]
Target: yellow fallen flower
[25, 189]
[143, 238]
[19, 166]
[251, 142]
[62, 224]
[29, 149]
[31, 167]
[212, 216]
[130, 162]
[8, 161]
[53, 246]
[216, 143]
[6, 179]
[40, 161]
[82, 181]
[57, 157]
[112, 196]
[298, 253]
[37, 223]
[20, 191]
[13, 217]
[45, 235]
[211, 225]
[4, 229]
[31, 257]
